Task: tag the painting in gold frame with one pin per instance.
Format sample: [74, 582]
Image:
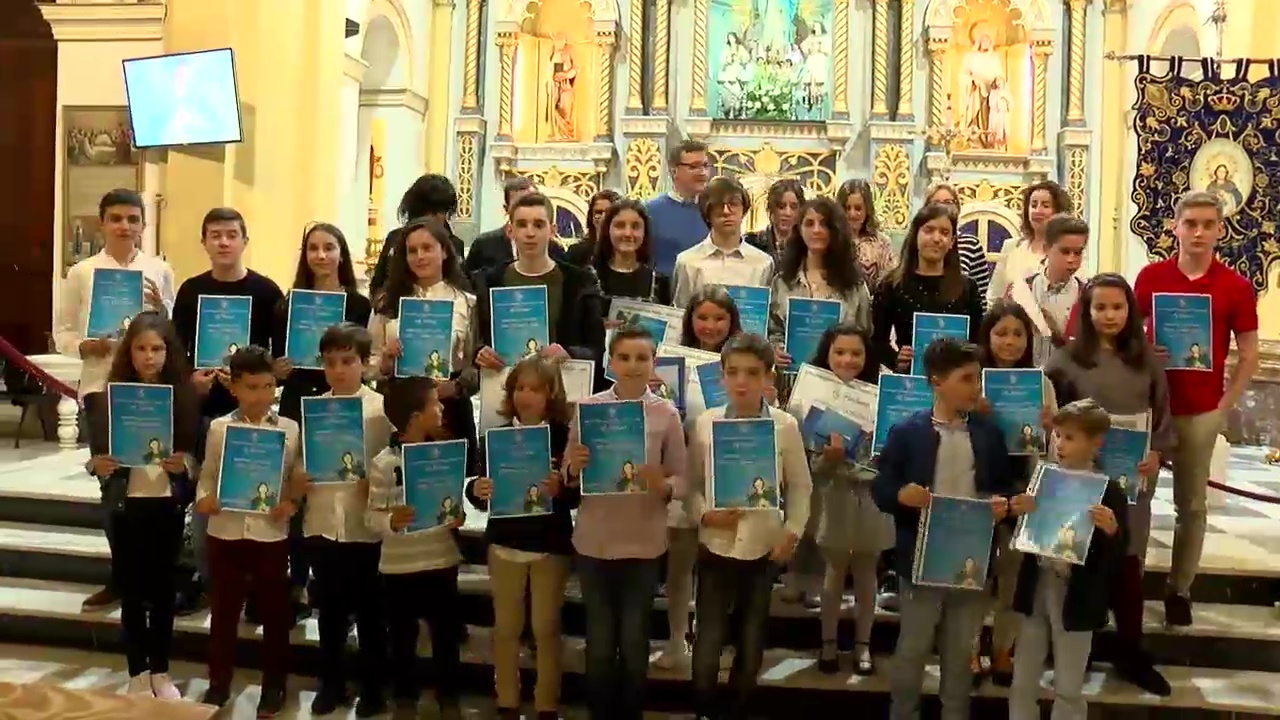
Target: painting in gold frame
[99, 156]
[990, 66]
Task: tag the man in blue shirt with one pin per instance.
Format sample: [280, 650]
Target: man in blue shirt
[676, 223]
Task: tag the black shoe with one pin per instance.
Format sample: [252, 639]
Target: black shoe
[190, 601]
[1177, 611]
[828, 659]
[372, 703]
[103, 600]
[271, 703]
[1137, 669]
[887, 598]
[216, 696]
[329, 699]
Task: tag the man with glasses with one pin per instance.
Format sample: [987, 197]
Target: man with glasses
[676, 223]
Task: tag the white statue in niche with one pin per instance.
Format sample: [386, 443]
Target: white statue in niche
[984, 84]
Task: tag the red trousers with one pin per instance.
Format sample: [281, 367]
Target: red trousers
[239, 567]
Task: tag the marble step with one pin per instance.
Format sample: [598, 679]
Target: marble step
[788, 680]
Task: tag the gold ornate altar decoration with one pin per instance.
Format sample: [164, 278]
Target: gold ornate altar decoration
[569, 191]
[1220, 133]
[556, 75]
[758, 169]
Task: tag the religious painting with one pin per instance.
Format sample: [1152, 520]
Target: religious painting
[991, 87]
[1223, 168]
[556, 77]
[769, 60]
[99, 157]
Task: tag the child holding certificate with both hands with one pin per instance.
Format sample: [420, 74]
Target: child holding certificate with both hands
[248, 549]
[148, 503]
[529, 550]
[620, 538]
[742, 551]
[419, 569]
[1065, 604]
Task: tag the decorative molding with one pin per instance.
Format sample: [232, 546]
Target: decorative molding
[507, 54]
[937, 81]
[655, 125]
[891, 182]
[661, 44]
[1075, 63]
[635, 55]
[470, 124]
[604, 106]
[394, 98]
[880, 59]
[354, 67]
[467, 147]
[938, 166]
[72, 22]
[643, 167]
[471, 58]
[1076, 175]
[1040, 69]
[698, 87]
[906, 58]
[840, 57]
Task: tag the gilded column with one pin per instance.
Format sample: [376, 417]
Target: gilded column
[604, 108]
[879, 58]
[466, 149]
[471, 60]
[661, 40]
[635, 56]
[507, 51]
[1041, 88]
[1075, 64]
[937, 83]
[698, 94]
[840, 56]
[906, 57]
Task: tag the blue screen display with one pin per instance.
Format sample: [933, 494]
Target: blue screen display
[187, 99]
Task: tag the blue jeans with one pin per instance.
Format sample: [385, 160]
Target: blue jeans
[618, 595]
[732, 603]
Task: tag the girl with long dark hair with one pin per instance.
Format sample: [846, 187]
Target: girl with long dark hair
[582, 251]
[782, 203]
[623, 258]
[973, 254]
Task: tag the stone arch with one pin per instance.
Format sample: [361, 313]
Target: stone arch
[993, 223]
[387, 46]
[1176, 32]
[511, 14]
[941, 17]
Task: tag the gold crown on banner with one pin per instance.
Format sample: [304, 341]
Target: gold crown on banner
[1224, 102]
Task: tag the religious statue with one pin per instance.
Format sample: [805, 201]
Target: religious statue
[816, 50]
[560, 91]
[984, 90]
[1226, 189]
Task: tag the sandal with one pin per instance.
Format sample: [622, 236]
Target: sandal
[862, 662]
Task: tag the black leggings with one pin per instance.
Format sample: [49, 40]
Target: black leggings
[149, 535]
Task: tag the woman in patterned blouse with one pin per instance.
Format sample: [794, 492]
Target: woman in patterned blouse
[875, 252]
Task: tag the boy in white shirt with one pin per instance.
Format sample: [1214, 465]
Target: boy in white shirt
[723, 258]
[248, 550]
[344, 551]
[420, 569]
[742, 551]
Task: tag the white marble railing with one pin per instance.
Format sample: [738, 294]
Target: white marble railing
[67, 370]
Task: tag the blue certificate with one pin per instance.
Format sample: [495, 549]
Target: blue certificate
[753, 307]
[807, 319]
[1122, 450]
[518, 460]
[613, 433]
[672, 383]
[1060, 527]
[954, 544]
[744, 464]
[927, 327]
[1016, 398]
[251, 472]
[1183, 324]
[222, 328]
[900, 397]
[333, 438]
[711, 378]
[434, 473]
[518, 322]
[426, 338]
[115, 296]
[311, 312]
[140, 423]
[821, 422]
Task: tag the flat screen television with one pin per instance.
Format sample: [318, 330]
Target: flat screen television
[183, 99]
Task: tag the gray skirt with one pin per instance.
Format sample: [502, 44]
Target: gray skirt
[849, 519]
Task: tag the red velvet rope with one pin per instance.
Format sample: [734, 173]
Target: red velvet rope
[12, 355]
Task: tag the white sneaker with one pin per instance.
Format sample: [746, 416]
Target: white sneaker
[674, 655]
[164, 688]
[140, 685]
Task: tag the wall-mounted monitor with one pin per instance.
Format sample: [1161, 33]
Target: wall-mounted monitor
[183, 99]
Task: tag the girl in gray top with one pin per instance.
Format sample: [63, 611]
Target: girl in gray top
[848, 527]
[1112, 362]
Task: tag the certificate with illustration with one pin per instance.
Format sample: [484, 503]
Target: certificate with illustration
[614, 435]
[927, 327]
[518, 460]
[333, 439]
[1125, 445]
[426, 338]
[140, 423]
[311, 313]
[744, 464]
[578, 378]
[694, 403]
[115, 297]
[807, 320]
[711, 381]
[953, 544]
[662, 321]
[671, 384]
[1016, 397]
[753, 307]
[434, 474]
[251, 470]
[222, 328]
[900, 397]
[825, 406]
[1060, 527]
[518, 324]
[1183, 324]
